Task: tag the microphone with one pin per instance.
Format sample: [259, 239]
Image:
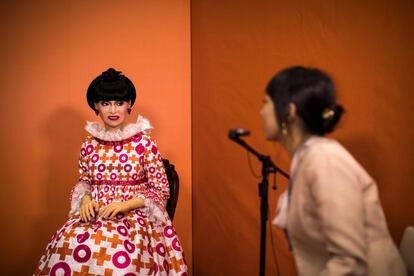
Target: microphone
[237, 133]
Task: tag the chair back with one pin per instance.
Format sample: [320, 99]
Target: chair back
[174, 185]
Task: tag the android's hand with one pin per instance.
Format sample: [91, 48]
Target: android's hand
[111, 210]
[88, 208]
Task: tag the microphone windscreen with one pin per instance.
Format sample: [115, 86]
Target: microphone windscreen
[238, 132]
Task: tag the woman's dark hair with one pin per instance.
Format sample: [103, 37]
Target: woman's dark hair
[111, 85]
[313, 93]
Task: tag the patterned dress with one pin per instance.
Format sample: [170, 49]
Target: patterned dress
[140, 242]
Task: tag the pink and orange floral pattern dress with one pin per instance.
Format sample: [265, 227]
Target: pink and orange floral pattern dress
[116, 167]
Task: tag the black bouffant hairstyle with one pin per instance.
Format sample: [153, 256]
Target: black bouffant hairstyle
[111, 85]
[313, 93]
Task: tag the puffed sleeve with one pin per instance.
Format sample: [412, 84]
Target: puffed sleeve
[157, 189]
[83, 186]
[338, 195]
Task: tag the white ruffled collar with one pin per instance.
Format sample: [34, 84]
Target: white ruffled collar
[97, 131]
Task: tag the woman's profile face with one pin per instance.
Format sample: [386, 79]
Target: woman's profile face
[268, 114]
[113, 113]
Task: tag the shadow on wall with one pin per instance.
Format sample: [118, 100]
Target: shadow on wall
[63, 132]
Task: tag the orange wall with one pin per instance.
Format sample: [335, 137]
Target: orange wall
[237, 46]
[50, 52]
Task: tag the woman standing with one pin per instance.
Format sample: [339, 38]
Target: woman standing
[332, 210]
[118, 224]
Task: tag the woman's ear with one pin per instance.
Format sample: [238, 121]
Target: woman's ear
[292, 112]
[96, 106]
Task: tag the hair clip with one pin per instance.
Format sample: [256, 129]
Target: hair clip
[328, 113]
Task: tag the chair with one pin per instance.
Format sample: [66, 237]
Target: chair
[174, 185]
[407, 249]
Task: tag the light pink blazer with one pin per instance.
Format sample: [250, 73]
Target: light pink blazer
[335, 220]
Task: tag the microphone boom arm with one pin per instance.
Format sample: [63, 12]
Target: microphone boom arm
[271, 167]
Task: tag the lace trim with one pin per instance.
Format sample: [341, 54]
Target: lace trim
[152, 209]
[96, 130]
[78, 192]
[135, 138]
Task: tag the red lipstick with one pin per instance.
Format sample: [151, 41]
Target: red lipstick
[113, 118]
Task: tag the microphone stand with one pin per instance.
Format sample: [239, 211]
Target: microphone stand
[267, 167]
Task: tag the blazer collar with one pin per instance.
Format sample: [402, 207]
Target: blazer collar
[297, 156]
